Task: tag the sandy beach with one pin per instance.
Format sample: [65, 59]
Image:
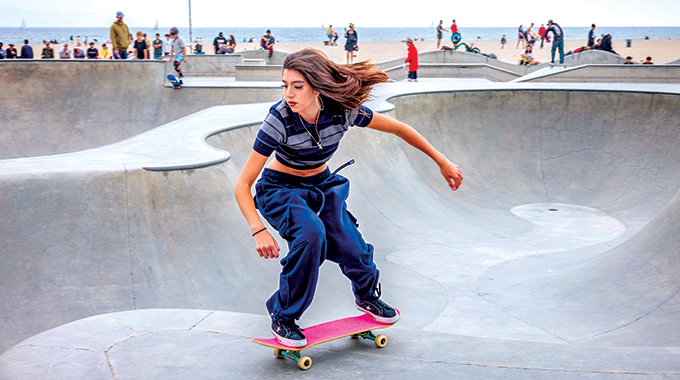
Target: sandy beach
[660, 50]
[379, 51]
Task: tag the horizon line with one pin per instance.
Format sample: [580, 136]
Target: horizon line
[399, 26]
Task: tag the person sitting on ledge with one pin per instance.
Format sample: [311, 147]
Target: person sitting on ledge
[528, 56]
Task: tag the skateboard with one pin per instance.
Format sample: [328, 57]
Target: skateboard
[355, 327]
[174, 81]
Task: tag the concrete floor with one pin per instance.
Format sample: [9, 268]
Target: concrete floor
[555, 259]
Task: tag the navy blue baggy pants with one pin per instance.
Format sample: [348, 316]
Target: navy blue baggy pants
[311, 214]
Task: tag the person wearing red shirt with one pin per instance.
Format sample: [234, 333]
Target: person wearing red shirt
[454, 27]
[541, 34]
[412, 60]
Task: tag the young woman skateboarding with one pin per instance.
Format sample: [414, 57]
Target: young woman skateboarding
[302, 199]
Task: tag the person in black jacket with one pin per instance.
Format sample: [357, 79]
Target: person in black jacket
[607, 44]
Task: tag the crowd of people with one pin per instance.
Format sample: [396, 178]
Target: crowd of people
[122, 45]
[528, 38]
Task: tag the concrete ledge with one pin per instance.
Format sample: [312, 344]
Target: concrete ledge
[204, 65]
[255, 62]
[277, 57]
[470, 70]
[268, 73]
[611, 74]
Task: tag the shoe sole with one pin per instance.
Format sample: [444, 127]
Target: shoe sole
[290, 342]
[385, 320]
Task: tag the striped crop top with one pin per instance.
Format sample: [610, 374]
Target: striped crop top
[283, 132]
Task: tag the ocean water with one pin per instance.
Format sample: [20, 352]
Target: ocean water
[101, 34]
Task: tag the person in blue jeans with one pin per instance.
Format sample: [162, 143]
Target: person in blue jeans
[558, 41]
[303, 200]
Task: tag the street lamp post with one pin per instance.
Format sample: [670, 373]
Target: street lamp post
[190, 32]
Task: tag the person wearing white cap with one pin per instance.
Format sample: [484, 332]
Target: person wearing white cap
[120, 37]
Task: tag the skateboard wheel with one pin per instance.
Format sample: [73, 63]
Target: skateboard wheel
[277, 353]
[355, 336]
[380, 341]
[305, 362]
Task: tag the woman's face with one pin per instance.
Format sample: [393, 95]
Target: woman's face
[298, 93]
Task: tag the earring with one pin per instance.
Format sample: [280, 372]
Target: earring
[318, 100]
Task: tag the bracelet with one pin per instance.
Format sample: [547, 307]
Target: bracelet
[259, 231]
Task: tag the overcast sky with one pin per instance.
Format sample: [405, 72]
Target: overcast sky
[314, 13]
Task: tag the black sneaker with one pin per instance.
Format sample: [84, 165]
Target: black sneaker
[289, 333]
[378, 309]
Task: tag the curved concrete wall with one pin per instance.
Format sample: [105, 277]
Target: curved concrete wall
[665, 74]
[58, 106]
[51, 106]
[82, 240]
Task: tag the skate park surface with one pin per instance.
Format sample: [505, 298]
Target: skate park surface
[556, 259]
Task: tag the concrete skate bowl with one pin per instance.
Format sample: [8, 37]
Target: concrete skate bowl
[58, 106]
[566, 228]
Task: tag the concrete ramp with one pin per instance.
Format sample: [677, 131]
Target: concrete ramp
[557, 257]
[60, 106]
[666, 74]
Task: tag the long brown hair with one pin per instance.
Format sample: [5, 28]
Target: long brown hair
[347, 85]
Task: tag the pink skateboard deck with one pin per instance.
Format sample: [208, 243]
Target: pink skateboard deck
[359, 326]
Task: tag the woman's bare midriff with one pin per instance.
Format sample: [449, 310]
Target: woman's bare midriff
[279, 167]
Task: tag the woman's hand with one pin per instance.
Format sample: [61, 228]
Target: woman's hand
[452, 174]
[266, 245]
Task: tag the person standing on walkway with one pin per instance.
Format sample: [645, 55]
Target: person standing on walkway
[440, 31]
[92, 52]
[157, 47]
[140, 49]
[47, 52]
[521, 37]
[167, 45]
[26, 51]
[307, 203]
[351, 44]
[412, 60]
[591, 36]
[558, 41]
[120, 37]
[454, 28]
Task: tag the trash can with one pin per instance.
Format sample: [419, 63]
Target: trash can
[628, 43]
